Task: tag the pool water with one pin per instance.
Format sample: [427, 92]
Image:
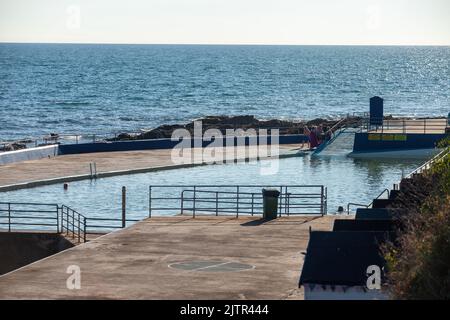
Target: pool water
[347, 180]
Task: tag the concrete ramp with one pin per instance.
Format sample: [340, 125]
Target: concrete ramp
[340, 144]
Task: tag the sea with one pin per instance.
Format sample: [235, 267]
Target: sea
[101, 89]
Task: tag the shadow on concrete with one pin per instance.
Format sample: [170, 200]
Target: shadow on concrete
[256, 223]
[17, 249]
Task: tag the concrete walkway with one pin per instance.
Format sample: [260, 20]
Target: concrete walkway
[137, 262]
[78, 165]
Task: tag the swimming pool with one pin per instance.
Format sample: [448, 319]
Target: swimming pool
[347, 180]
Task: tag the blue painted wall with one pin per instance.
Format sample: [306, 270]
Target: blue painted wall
[409, 141]
[153, 144]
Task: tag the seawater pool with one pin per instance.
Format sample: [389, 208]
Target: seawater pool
[347, 180]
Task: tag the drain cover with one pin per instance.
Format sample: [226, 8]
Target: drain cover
[211, 266]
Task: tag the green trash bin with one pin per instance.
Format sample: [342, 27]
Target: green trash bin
[270, 203]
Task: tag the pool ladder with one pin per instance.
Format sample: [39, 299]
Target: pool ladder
[93, 170]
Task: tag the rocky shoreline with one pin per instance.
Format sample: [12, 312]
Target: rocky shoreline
[14, 146]
[222, 123]
[246, 122]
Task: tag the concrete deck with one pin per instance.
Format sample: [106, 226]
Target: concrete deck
[133, 263]
[75, 165]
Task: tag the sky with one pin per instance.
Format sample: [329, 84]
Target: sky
[294, 22]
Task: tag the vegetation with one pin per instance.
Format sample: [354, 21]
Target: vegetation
[444, 143]
[419, 260]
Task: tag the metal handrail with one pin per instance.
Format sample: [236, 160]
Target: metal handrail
[370, 204]
[430, 162]
[406, 125]
[76, 138]
[109, 226]
[18, 214]
[336, 126]
[419, 170]
[74, 223]
[95, 137]
[60, 219]
[356, 205]
[202, 199]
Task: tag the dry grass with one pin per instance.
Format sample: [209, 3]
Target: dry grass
[419, 262]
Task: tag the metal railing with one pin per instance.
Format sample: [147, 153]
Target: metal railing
[19, 216]
[352, 204]
[104, 225]
[22, 217]
[73, 224]
[76, 138]
[235, 200]
[403, 126]
[427, 165]
[337, 127]
[400, 125]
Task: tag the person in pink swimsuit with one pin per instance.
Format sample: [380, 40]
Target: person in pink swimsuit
[313, 139]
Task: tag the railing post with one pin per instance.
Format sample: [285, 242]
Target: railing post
[280, 205]
[124, 206]
[288, 207]
[237, 202]
[79, 228]
[253, 203]
[67, 221]
[193, 202]
[182, 202]
[217, 203]
[57, 219]
[321, 200]
[150, 202]
[9, 217]
[84, 229]
[73, 224]
[286, 201]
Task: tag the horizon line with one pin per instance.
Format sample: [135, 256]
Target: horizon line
[230, 44]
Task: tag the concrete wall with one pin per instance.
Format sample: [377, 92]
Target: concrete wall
[377, 142]
[28, 154]
[54, 150]
[343, 293]
[156, 144]
[19, 249]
